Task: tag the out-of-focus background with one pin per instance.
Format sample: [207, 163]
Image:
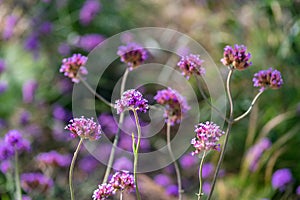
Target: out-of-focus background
[262, 159]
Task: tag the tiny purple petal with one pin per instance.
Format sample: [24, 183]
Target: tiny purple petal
[268, 78]
[191, 64]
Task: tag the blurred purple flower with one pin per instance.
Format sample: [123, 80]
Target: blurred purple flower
[123, 163]
[25, 197]
[36, 181]
[2, 66]
[32, 44]
[172, 190]
[29, 89]
[207, 170]
[103, 192]
[6, 151]
[88, 11]
[175, 105]
[10, 23]
[45, 28]
[122, 180]
[24, 118]
[89, 41]
[3, 87]
[191, 64]
[267, 78]
[131, 99]
[64, 49]
[236, 57]
[60, 113]
[85, 128]
[108, 124]
[187, 161]
[88, 164]
[207, 137]
[298, 190]
[281, 178]
[73, 65]
[206, 188]
[14, 139]
[132, 54]
[256, 151]
[162, 180]
[5, 166]
[53, 158]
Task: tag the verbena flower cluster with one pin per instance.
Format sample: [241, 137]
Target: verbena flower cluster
[207, 137]
[53, 158]
[84, 128]
[122, 180]
[191, 64]
[132, 54]
[175, 105]
[281, 178]
[237, 57]
[36, 181]
[131, 99]
[73, 66]
[268, 78]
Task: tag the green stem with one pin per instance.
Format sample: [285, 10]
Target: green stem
[17, 178]
[226, 135]
[115, 143]
[174, 161]
[200, 175]
[135, 153]
[121, 195]
[72, 168]
[249, 109]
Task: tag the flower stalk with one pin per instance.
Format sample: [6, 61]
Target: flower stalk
[17, 177]
[200, 175]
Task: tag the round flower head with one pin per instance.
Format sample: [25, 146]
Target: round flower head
[191, 64]
[14, 139]
[281, 178]
[122, 180]
[236, 57]
[268, 78]
[53, 158]
[103, 192]
[85, 128]
[175, 105]
[36, 181]
[73, 66]
[132, 54]
[207, 136]
[131, 99]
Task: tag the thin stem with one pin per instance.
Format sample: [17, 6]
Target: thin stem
[121, 195]
[174, 161]
[249, 109]
[113, 149]
[226, 135]
[200, 175]
[72, 168]
[208, 101]
[135, 153]
[17, 178]
[94, 92]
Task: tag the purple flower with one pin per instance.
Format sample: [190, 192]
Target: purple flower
[206, 188]
[88, 11]
[133, 55]
[14, 139]
[6, 151]
[10, 23]
[53, 158]
[187, 161]
[89, 41]
[85, 128]
[88, 164]
[64, 49]
[191, 64]
[60, 113]
[45, 28]
[172, 190]
[73, 65]
[28, 90]
[162, 180]
[122, 180]
[131, 99]
[267, 78]
[5, 166]
[298, 190]
[207, 170]
[123, 163]
[207, 137]
[24, 117]
[108, 124]
[281, 178]
[236, 57]
[2, 66]
[255, 152]
[103, 192]
[25, 197]
[32, 44]
[3, 87]
[175, 105]
[35, 181]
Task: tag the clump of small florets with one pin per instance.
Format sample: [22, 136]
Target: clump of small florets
[131, 99]
[268, 78]
[175, 105]
[85, 128]
[236, 57]
[191, 64]
[132, 54]
[103, 192]
[207, 137]
[15, 140]
[122, 180]
[53, 158]
[74, 66]
[36, 181]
